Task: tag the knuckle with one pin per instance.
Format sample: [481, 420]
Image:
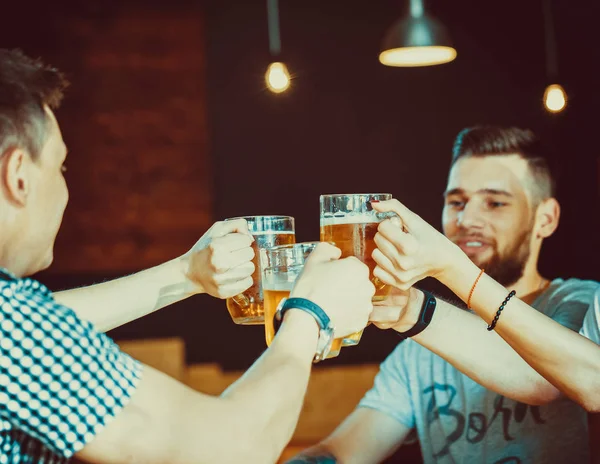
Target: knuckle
[364, 269]
[251, 268]
[404, 286]
[247, 283]
[371, 288]
[221, 293]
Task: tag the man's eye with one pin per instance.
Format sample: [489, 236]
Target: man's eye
[456, 203]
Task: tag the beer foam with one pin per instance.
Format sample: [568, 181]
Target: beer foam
[358, 218]
[273, 232]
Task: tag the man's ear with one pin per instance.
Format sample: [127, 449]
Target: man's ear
[547, 218]
[15, 172]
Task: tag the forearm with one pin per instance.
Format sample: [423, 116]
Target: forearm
[568, 360]
[114, 303]
[251, 422]
[366, 436]
[461, 338]
[272, 392]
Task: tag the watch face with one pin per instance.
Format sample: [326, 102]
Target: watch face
[280, 305]
[324, 344]
[278, 310]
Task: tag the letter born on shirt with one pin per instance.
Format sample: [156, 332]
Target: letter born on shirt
[476, 425]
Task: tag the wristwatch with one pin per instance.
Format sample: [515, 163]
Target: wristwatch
[425, 316]
[325, 327]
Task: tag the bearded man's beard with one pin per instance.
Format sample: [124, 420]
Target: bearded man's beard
[508, 269]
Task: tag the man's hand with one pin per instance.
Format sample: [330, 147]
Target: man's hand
[409, 249]
[399, 311]
[220, 263]
[340, 286]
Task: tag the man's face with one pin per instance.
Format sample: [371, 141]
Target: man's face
[48, 197]
[488, 212]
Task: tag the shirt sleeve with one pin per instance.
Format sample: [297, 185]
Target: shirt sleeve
[61, 381]
[391, 391]
[571, 303]
[591, 323]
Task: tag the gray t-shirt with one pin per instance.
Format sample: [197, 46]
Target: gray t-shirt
[456, 420]
[591, 323]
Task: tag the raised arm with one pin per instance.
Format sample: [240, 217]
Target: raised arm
[219, 264]
[567, 360]
[251, 422]
[460, 338]
[99, 403]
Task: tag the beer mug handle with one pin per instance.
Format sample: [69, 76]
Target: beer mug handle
[379, 285]
[241, 300]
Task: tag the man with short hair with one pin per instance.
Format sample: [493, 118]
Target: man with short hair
[499, 208]
[66, 389]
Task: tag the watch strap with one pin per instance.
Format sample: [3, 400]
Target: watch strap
[425, 316]
[308, 306]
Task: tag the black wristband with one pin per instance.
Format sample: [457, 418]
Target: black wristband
[425, 316]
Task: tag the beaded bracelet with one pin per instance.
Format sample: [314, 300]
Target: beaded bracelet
[493, 324]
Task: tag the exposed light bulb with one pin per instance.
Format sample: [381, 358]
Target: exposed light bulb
[555, 98]
[277, 77]
[417, 56]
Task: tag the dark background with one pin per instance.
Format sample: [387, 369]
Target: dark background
[170, 128]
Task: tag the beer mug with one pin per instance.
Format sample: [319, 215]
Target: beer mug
[351, 223]
[268, 231]
[280, 267]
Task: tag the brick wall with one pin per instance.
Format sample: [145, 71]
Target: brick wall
[135, 123]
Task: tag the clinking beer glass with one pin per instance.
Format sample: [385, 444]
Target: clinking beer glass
[268, 231]
[280, 267]
[349, 222]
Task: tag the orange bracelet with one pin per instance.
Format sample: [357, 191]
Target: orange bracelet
[473, 288]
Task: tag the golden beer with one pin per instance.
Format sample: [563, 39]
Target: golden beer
[272, 299]
[268, 231]
[280, 268]
[350, 223]
[356, 239]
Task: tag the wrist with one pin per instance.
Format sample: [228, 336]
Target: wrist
[457, 274]
[299, 334]
[182, 268]
[410, 315]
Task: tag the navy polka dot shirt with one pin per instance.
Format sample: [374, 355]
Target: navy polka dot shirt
[61, 381]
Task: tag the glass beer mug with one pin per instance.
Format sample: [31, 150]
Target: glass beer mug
[349, 222]
[268, 231]
[280, 267]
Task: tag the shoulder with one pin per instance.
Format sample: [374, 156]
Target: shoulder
[570, 289]
[591, 323]
[567, 301]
